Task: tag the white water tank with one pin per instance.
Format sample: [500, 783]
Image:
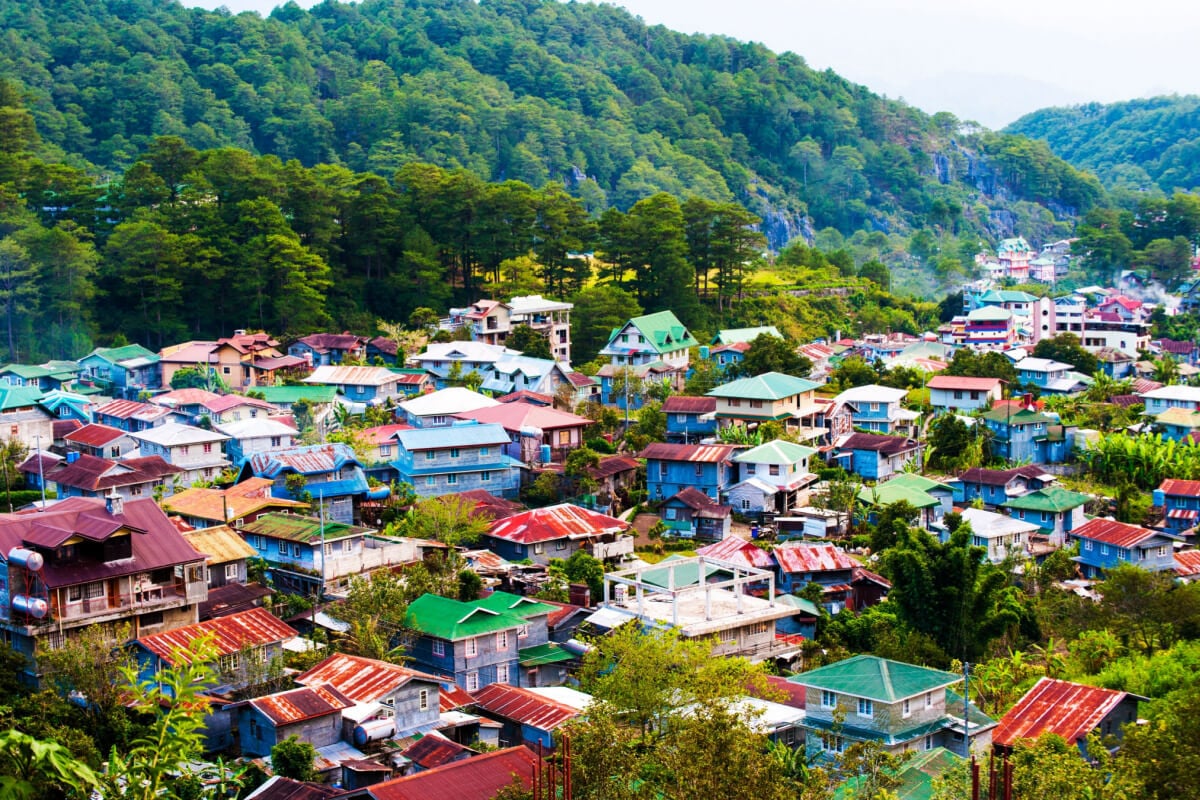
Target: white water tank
[373, 730]
[620, 594]
[34, 607]
[26, 559]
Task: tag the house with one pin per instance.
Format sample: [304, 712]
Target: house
[101, 441]
[23, 418]
[727, 357]
[242, 646]
[489, 321]
[243, 360]
[465, 456]
[437, 409]
[225, 554]
[250, 437]
[1066, 709]
[551, 318]
[877, 456]
[931, 498]
[690, 419]
[380, 440]
[330, 473]
[476, 646]
[959, 394]
[542, 660]
[234, 408]
[773, 396]
[1180, 502]
[202, 507]
[878, 408]
[88, 476]
[997, 486]
[655, 344]
[312, 715]
[1019, 303]
[781, 467]
[1187, 565]
[88, 562]
[329, 349]
[1051, 377]
[616, 476]
[434, 750]
[514, 373]
[1106, 543]
[1160, 399]
[744, 335]
[67, 405]
[1014, 255]
[691, 513]
[844, 582]
[558, 531]
[413, 382]
[1023, 434]
[1056, 511]
[990, 328]
[121, 371]
[1177, 423]
[587, 388]
[369, 385]
[131, 416]
[188, 404]
[837, 419]
[449, 360]
[199, 452]
[532, 428]
[313, 557]
[1114, 363]
[902, 706]
[736, 550]
[482, 777]
[671, 468]
[1002, 536]
[527, 717]
[49, 377]
[283, 398]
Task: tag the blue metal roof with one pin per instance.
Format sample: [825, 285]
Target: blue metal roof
[476, 435]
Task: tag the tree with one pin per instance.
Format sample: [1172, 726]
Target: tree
[577, 469]
[1066, 348]
[294, 759]
[853, 371]
[952, 446]
[770, 353]
[91, 663]
[970, 364]
[1146, 610]
[599, 310]
[375, 609]
[876, 272]
[17, 288]
[531, 343]
[31, 769]
[1158, 760]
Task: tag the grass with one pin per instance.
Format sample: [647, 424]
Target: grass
[651, 557]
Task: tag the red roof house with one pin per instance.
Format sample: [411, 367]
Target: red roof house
[478, 778]
[1066, 709]
[556, 532]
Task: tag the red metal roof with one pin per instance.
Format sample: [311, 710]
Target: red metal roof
[523, 706]
[879, 443]
[682, 404]
[999, 477]
[185, 397]
[1117, 534]
[434, 751]
[488, 504]
[132, 409]
[478, 778]
[64, 426]
[92, 473]
[225, 402]
[363, 680]
[701, 504]
[963, 383]
[1067, 709]
[696, 453]
[526, 396]
[382, 434]
[452, 696]
[794, 692]
[738, 551]
[298, 705]
[324, 342]
[1187, 562]
[94, 435]
[517, 417]
[563, 521]
[578, 379]
[254, 628]
[1180, 487]
[795, 558]
[280, 788]
[613, 465]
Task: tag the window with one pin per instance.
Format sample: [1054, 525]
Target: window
[454, 452]
[561, 544]
[430, 480]
[699, 470]
[750, 468]
[1087, 544]
[347, 545]
[472, 648]
[1045, 516]
[681, 418]
[745, 505]
[906, 709]
[135, 491]
[1021, 515]
[866, 708]
[662, 469]
[874, 406]
[183, 450]
[735, 403]
[502, 640]
[773, 470]
[828, 699]
[540, 547]
[834, 744]
[1103, 549]
[485, 476]
[231, 572]
[296, 551]
[229, 662]
[472, 681]
[958, 395]
[756, 404]
[928, 742]
[438, 647]
[385, 451]
[484, 451]
[502, 673]
[522, 631]
[929, 699]
[423, 699]
[1162, 551]
[208, 447]
[430, 455]
[452, 479]
[275, 441]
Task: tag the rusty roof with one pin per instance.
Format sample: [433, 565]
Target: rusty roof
[281, 788]
[563, 521]
[435, 750]
[1067, 709]
[363, 680]
[64, 426]
[1180, 487]
[523, 706]
[738, 551]
[298, 705]
[92, 473]
[324, 342]
[184, 397]
[220, 543]
[1187, 562]
[699, 453]
[254, 628]
[613, 465]
[95, 435]
[478, 778]
[452, 696]
[1117, 534]
[701, 504]
[879, 443]
[221, 403]
[520, 417]
[241, 499]
[795, 558]
[488, 504]
[682, 404]
[132, 409]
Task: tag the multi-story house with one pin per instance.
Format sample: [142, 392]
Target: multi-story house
[1056, 511]
[81, 475]
[121, 371]
[1069, 312]
[1068, 710]
[49, 377]
[199, 452]
[1160, 399]
[370, 385]
[469, 455]
[526, 717]
[558, 531]
[933, 499]
[1020, 434]
[440, 359]
[997, 486]
[641, 343]
[1019, 303]
[902, 706]
[234, 408]
[990, 328]
[1001, 535]
[690, 419]
[531, 428]
[101, 441]
[329, 349]
[1014, 255]
[88, 562]
[955, 393]
[1051, 377]
[877, 456]
[691, 513]
[727, 357]
[551, 318]
[844, 582]
[671, 468]
[772, 475]
[64, 405]
[514, 373]
[329, 473]
[489, 321]
[243, 502]
[225, 554]
[1180, 502]
[438, 409]
[131, 415]
[242, 360]
[772, 396]
[1106, 543]
[249, 437]
[541, 659]
[878, 408]
[476, 645]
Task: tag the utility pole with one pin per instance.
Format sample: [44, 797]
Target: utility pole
[41, 475]
[966, 709]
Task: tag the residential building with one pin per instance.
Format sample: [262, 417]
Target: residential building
[773, 475]
[49, 377]
[199, 452]
[1068, 710]
[932, 499]
[844, 582]
[1019, 435]
[283, 398]
[671, 468]
[1014, 255]
[641, 343]
[382, 445]
[772, 396]
[1002, 536]
[558, 531]
[736, 550]
[131, 416]
[954, 393]
[1106, 543]
[527, 717]
[551, 318]
[902, 706]
[1021, 304]
[201, 507]
[1051, 377]
[85, 562]
[330, 473]
[465, 456]
[482, 777]
[240, 361]
[385, 350]
[1160, 399]
[329, 349]
[1113, 327]
[514, 373]
[542, 660]
[101, 441]
[997, 486]
[440, 359]
[312, 715]
[476, 646]
[744, 335]
[65, 405]
[1114, 363]
[490, 321]
[878, 408]
[690, 419]
[250, 437]
[877, 456]
[691, 513]
[225, 554]
[532, 428]
[80, 475]
[369, 385]
[990, 328]
[187, 404]
[727, 357]
[413, 382]
[1056, 511]
[121, 371]
[231, 408]
[438, 409]
[1180, 502]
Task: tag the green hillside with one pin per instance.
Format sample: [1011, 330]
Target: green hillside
[531, 90]
[1139, 144]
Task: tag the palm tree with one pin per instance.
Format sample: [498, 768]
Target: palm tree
[1166, 370]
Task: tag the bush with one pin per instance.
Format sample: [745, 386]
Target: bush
[601, 445]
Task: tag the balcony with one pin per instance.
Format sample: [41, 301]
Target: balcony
[149, 598]
[607, 548]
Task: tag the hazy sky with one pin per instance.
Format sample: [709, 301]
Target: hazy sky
[987, 61]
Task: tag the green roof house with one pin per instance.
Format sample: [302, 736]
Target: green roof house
[770, 396]
[740, 335]
[1057, 511]
[771, 476]
[901, 706]
[933, 499]
[124, 371]
[658, 339]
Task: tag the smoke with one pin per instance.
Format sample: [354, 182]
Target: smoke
[1153, 292]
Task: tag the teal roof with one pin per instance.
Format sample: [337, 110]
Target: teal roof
[735, 335]
[776, 452]
[918, 482]
[885, 494]
[445, 618]
[807, 606]
[1006, 296]
[19, 397]
[126, 353]
[1051, 498]
[685, 574]
[315, 393]
[915, 776]
[26, 371]
[549, 653]
[876, 678]
[1017, 243]
[508, 603]
[664, 332]
[1022, 417]
[768, 386]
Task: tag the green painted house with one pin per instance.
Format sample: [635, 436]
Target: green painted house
[654, 346]
[1055, 510]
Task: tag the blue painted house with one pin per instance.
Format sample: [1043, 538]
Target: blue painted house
[997, 486]
[304, 553]
[370, 385]
[877, 408]
[1052, 377]
[67, 405]
[457, 458]
[1160, 399]
[1022, 434]
[690, 419]
[121, 371]
[692, 514]
[877, 456]
[48, 377]
[1177, 423]
[671, 468]
[332, 475]
[1056, 511]
[1106, 543]
[476, 645]
[653, 347]
[1180, 501]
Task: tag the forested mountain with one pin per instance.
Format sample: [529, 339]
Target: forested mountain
[532, 90]
[1139, 144]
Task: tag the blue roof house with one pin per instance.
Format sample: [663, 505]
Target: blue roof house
[458, 458]
[877, 408]
[332, 475]
[876, 456]
[1027, 435]
[671, 468]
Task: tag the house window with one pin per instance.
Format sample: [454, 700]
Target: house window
[229, 662]
[745, 505]
[452, 479]
[295, 551]
[1087, 544]
[662, 469]
[735, 403]
[958, 395]
[929, 742]
[522, 631]
[828, 699]
[484, 451]
[472, 648]
[275, 441]
[502, 673]
[929, 699]
[756, 404]
[430, 480]
[423, 696]
[1045, 516]
[430, 455]
[1021, 514]
[874, 406]
[699, 470]
[472, 681]
[906, 709]
[485, 476]
[1162, 551]
[502, 640]
[539, 548]
[773, 470]
[681, 418]
[1103, 549]
[231, 572]
[385, 450]
[834, 744]
[750, 469]
[438, 647]
[183, 450]
[135, 491]
[866, 708]
[561, 544]
[208, 447]
[454, 452]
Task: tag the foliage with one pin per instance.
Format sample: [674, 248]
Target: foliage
[91, 662]
[1146, 460]
[31, 768]
[294, 759]
[769, 353]
[954, 447]
[376, 608]
[968, 363]
[853, 371]
[1066, 348]
[531, 343]
[450, 520]
[198, 377]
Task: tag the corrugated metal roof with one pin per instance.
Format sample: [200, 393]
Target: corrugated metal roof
[879, 443]
[1117, 534]
[280, 788]
[363, 680]
[466, 435]
[768, 386]
[738, 551]
[352, 376]
[1180, 487]
[298, 705]
[132, 409]
[523, 706]
[1187, 562]
[307, 530]
[435, 750]
[220, 543]
[174, 434]
[696, 453]
[478, 778]
[963, 383]
[241, 499]
[682, 404]
[564, 521]
[92, 473]
[254, 628]
[1067, 709]
[516, 417]
[310, 460]
[876, 678]
[95, 435]
[797, 558]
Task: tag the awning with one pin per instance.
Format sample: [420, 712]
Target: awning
[1182, 513]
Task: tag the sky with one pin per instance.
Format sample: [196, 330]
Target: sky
[985, 61]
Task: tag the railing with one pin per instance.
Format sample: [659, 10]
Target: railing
[603, 550]
[93, 606]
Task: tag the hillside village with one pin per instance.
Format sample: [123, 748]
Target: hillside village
[741, 490]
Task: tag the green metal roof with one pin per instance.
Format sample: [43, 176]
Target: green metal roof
[778, 451]
[916, 776]
[1022, 417]
[735, 335]
[664, 331]
[768, 386]
[918, 482]
[19, 397]
[445, 618]
[876, 678]
[807, 606]
[26, 371]
[549, 653]
[885, 494]
[296, 528]
[1051, 498]
[508, 603]
[316, 393]
[989, 314]
[130, 351]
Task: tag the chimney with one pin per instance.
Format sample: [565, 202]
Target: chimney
[114, 503]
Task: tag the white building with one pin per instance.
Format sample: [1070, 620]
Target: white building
[200, 452]
[551, 318]
[1002, 535]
